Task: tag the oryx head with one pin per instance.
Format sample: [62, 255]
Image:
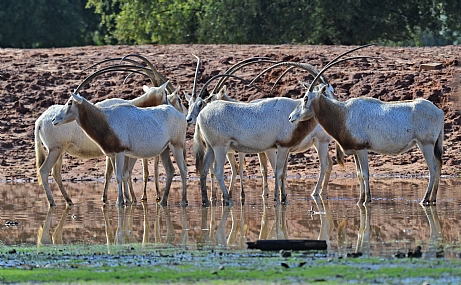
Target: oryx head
[68, 112]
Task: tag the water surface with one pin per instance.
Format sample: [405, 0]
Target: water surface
[394, 221]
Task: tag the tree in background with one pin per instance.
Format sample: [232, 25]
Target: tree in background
[46, 23]
[54, 23]
[284, 21]
[147, 21]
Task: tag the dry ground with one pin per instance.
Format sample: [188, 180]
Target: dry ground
[33, 80]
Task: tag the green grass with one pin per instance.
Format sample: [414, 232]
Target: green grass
[147, 265]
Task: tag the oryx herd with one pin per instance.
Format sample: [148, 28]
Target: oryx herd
[156, 122]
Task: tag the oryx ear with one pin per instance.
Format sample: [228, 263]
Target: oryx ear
[145, 88]
[187, 96]
[164, 85]
[77, 98]
[305, 84]
[177, 90]
[322, 89]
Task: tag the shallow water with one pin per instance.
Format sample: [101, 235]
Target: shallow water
[394, 221]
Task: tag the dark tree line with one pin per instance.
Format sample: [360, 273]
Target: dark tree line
[48, 23]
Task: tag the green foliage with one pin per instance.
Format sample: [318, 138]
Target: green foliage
[55, 23]
[145, 21]
[46, 23]
[284, 21]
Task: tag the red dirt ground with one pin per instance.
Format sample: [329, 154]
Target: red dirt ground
[33, 80]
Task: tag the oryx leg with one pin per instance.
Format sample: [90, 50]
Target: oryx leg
[326, 165]
[169, 169]
[207, 162]
[220, 159]
[127, 183]
[109, 170]
[156, 182]
[179, 156]
[213, 188]
[56, 172]
[361, 164]
[282, 157]
[44, 171]
[145, 177]
[241, 166]
[234, 168]
[119, 164]
[263, 168]
[272, 156]
[434, 174]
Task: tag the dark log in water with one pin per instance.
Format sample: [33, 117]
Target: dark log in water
[287, 244]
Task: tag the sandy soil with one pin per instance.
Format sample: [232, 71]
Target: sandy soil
[33, 80]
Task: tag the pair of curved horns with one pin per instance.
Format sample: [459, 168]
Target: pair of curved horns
[337, 60]
[156, 78]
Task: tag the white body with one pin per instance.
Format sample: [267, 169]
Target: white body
[360, 125]
[72, 139]
[124, 129]
[317, 138]
[246, 128]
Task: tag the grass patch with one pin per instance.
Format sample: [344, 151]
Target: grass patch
[156, 264]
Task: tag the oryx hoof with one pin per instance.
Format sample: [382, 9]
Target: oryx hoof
[184, 203]
[205, 203]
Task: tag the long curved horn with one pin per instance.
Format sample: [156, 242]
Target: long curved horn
[223, 75]
[160, 78]
[194, 88]
[309, 68]
[121, 68]
[280, 78]
[348, 52]
[156, 78]
[330, 64]
[239, 65]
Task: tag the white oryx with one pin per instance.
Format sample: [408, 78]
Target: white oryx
[364, 124]
[317, 138]
[247, 128]
[70, 138]
[126, 130]
[257, 127]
